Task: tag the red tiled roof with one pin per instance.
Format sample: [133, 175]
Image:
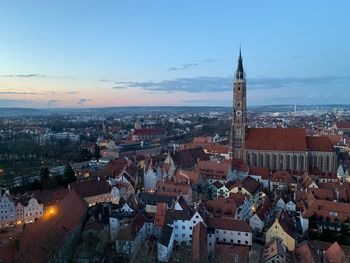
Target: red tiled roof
[225, 253]
[328, 209]
[228, 224]
[188, 158]
[335, 254]
[262, 171]
[343, 124]
[263, 210]
[283, 176]
[335, 138]
[159, 219]
[286, 222]
[199, 250]
[114, 167]
[306, 253]
[210, 169]
[172, 189]
[280, 139]
[319, 144]
[183, 176]
[51, 230]
[222, 207]
[91, 187]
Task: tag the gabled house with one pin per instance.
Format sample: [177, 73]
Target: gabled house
[275, 252]
[95, 190]
[284, 229]
[131, 237]
[250, 187]
[261, 217]
[184, 159]
[282, 181]
[175, 190]
[228, 231]
[199, 247]
[215, 171]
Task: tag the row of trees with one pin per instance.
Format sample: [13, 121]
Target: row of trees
[47, 181]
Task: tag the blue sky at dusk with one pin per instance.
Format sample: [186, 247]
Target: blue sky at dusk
[126, 53]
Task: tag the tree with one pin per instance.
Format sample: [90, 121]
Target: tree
[69, 174]
[97, 154]
[85, 154]
[44, 175]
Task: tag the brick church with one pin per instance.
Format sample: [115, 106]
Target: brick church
[275, 148]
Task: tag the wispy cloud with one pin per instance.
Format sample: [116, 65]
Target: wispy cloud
[223, 84]
[20, 93]
[82, 101]
[191, 65]
[72, 92]
[50, 102]
[31, 75]
[298, 57]
[119, 87]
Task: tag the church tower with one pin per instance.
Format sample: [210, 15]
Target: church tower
[239, 126]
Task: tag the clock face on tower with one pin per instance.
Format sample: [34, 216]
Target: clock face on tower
[238, 113]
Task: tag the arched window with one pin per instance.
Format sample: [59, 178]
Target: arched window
[249, 159]
[321, 163]
[274, 161]
[301, 162]
[254, 159]
[261, 159]
[288, 166]
[327, 164]
[268, 160]
[295, 162]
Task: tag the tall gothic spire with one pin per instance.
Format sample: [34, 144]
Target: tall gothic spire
[240, 71]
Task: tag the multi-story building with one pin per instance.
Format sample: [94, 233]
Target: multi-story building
[7, 210]
[275, 148]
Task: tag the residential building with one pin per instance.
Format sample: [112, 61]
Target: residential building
[283, 228]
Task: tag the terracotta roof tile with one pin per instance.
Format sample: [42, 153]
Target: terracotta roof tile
[229, 253]
[335, 254]
[280, 139]
[319, 143]
[228, 224]
[199, 250]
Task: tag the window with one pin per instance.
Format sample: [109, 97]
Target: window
[239, 241]
[190, 227]
[246, 234]
[231, 240]
[239, 233]
[183, 227]
[197, 216]
[246, 242]
[209, 244]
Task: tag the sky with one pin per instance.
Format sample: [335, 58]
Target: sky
[56, 54]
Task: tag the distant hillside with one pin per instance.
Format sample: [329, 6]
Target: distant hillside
[6, 112]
